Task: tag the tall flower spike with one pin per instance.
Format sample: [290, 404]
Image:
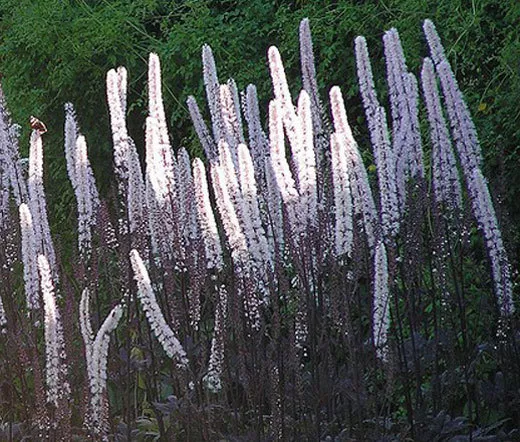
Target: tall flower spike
[212, 92]
[158, 324]
[308, 69]
[206, 217]
[155, 102]
[29, 258]
[37, 201]
[381, 309]
[310, 84]
[85, 325]
[232, 227]
[363, 201]
[291, 121]
[9, 156]
[307, 179]
[116, 96]
[208, 144]
[97, 371]
[55, 357]
[213, 379]
[3, 317]
[486, 218]
[343, 228]
[231, 112]
[86, 196]
[468, 149]
[464, 132]
[406, 139]
[257, 240]
[280, 166]
[445, 176]
[126, 159]
[383, 155]
[71, 133]
[163, 204]
[232, 131]
[258, 142]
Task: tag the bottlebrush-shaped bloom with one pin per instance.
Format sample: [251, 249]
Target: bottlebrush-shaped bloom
[299, 130]
[362, 199]
[9, 156]
[381, 307]
[470, 157]
[310, 84]
[164, 211]
[445, 176]
[158, 324]
[307, 180]
[29, 258]
[384, 156]
[126, 159]
[230, 168]
[212, 92]
[320, 122]
[155, 102]
[232, 227]
[258, 142]
[287, 112]
[281, 169]
[206, 217]
[37, 201]
[233, 132]
[82, 179]
[86, 326]
[486, 218]
[403, 95]
[208, 144]
[86, 196]
[241, 189]
[97, 372]
[3, 317]
[238, 124]
[257, 239]
[55, 357]
[116, 96]
[71, 133]
[343, 228]
[213, 379]
[186, 192]
[463, 128]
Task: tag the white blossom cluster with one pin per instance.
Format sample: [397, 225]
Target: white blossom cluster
[445, 177]
[126, 159]
[55, 357]
[470, 158]
[96, 355]
[158, 324]
[384, 155]
[82, 179]
[29, 258]
[37, 201]
[3, 317]
[216, 359]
